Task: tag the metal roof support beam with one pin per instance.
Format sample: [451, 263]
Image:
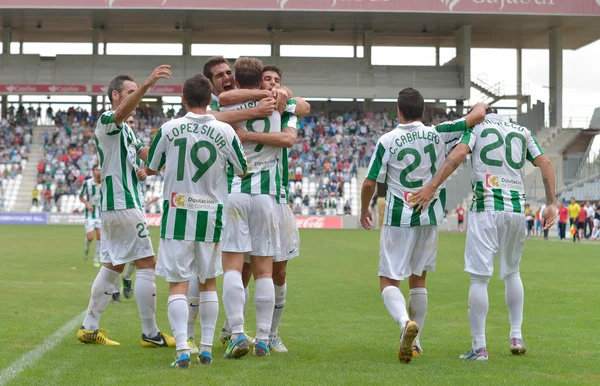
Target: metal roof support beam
[186, 41]
[95, 41]
[367, 45]
[519, 81]
[556, 76]
[276, 45]
[6, 40]
[463, 56]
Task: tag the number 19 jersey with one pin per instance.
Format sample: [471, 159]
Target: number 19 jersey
[197, 150]
[263, 161]
[499, 151]
[406, 159]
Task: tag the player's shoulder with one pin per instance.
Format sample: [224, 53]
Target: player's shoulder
[107, 117]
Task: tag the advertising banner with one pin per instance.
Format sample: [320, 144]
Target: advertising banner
[319, 222]
[24, 218]
[525, 7]
[66, 219]
[161, 89]
[43, 89]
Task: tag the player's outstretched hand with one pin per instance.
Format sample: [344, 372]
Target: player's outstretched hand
[161, 72]
[266, 107]
[549, 216]
[421, 199]
[141, 175]
[366, 218]
[282, 98]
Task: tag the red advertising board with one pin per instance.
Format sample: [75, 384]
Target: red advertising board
[318, 222]
[42, 89]
[532, 7]
[154, 90]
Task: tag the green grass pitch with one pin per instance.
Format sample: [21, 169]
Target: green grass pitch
[334, 324]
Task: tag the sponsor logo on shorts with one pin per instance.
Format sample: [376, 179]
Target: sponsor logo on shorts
[193, 202]
[494, 181]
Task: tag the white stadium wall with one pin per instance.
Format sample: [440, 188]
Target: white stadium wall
[309, 77]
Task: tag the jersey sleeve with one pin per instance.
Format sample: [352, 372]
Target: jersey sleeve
[289, 120]
[237, 157]
[452, 130]
[156, 155]
[534, 149]
[469, 138]
[84, 189]
[108, 125]
[214, 105]
[290, 106]
[377, 170]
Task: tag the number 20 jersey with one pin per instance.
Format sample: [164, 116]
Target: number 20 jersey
[406, 159]
[499, 150]
[263, 161]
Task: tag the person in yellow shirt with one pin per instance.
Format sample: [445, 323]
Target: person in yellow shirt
[36, 195]
[574, 209]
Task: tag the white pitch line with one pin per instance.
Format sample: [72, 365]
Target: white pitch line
[33, 356]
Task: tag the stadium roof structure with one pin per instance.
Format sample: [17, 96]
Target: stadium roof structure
[494, 23]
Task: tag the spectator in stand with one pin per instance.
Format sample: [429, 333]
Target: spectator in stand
[460, 212]
[36, 194]
[563, 215]
[347, 208]
[574, 210]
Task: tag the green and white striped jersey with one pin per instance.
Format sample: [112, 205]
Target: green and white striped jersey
[91, 192]
[117, 147]
[214, 103]
[287, 120]
[498, 153]
[263, 161]
[406, 159]
[197, 150]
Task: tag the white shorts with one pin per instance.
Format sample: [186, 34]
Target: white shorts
[125, 236]
[596, 223]
[289, 236]
[181, 260]
[491, 234]
[251, 225]
[91, 224]
[407, 251]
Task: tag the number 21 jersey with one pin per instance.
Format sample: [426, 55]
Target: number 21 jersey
[406, 159]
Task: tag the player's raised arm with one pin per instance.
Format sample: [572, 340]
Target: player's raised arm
[423, 197]
[452, 130]
[264, 109]
[241, 95]
[130, 103]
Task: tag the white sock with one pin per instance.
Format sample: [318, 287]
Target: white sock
[101, 294]
[129, 271]
[233, 301]
[97, 250]
[280, 292]
[395, 304]
[87, 244]
[193, 303]
[264, 303]
[417, 306]
[145, 294]
[178, 315]
[209, 313]
[478, 309]
[246, 299]
[515, 298]
[117, 287]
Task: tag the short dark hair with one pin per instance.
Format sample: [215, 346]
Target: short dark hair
[411, 104]
[196, 91]
[273, 69]
[117, 84]
[248, 72]
[210, 63]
